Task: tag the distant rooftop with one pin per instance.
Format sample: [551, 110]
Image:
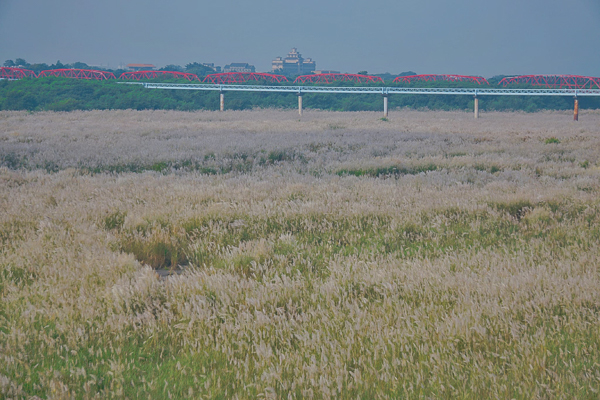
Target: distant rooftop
[140, 66]
[325, 71]
[239, 67]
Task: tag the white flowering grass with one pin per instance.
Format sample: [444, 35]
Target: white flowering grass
[335, 256]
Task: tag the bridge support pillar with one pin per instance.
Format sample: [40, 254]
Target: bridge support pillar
[221, 101]
[300, 104]
[576, 110]
[385, 105]
[476, 107]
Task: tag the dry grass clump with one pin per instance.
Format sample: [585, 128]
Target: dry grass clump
[428, 256]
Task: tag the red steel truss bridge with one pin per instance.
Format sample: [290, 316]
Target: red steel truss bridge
[78, 74]
[552, 85]
[241, 77]
[437, 78]
[546, 81]
[554, 81]
[16, 73]
[139, 75]
[330, 78]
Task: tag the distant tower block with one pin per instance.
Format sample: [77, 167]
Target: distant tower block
[293, 64]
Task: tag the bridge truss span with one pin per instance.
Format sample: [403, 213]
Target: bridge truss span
[554, 81]
[16, 73]
[88, 74]
[436, 78]
[139, 75]
[241, 77]
[330, 78]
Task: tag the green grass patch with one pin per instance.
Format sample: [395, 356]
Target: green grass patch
[394, 170]
[115, 220]
[516, 209]
[306, 244]
[492, 169]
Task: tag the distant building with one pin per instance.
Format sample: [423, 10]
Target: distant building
[294, 64]
[239, 67]
[212, 66]
[140, 67]
[325, 71]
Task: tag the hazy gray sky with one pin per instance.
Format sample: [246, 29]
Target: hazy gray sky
[478, 37]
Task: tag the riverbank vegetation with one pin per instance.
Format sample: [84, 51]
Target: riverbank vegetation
[246, 254]
[64, 94]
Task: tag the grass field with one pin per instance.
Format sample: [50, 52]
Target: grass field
[336, 255]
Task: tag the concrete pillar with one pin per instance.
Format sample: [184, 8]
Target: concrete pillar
[385, 105]
[299, 103]
[476, 107]
[576, 110]
[222, 101]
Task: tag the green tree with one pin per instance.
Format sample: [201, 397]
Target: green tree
[21, 62]
[37, 68]
[172, 67]
[20, 100]
[80, 65]
[9, 63]
[198, 69]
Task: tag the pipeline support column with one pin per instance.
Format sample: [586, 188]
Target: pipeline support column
[476, 107]
[576, 110]
[385, 105]
[300, 104]
[221, 101]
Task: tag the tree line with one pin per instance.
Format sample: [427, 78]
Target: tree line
[192, 67]
[63, 94]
